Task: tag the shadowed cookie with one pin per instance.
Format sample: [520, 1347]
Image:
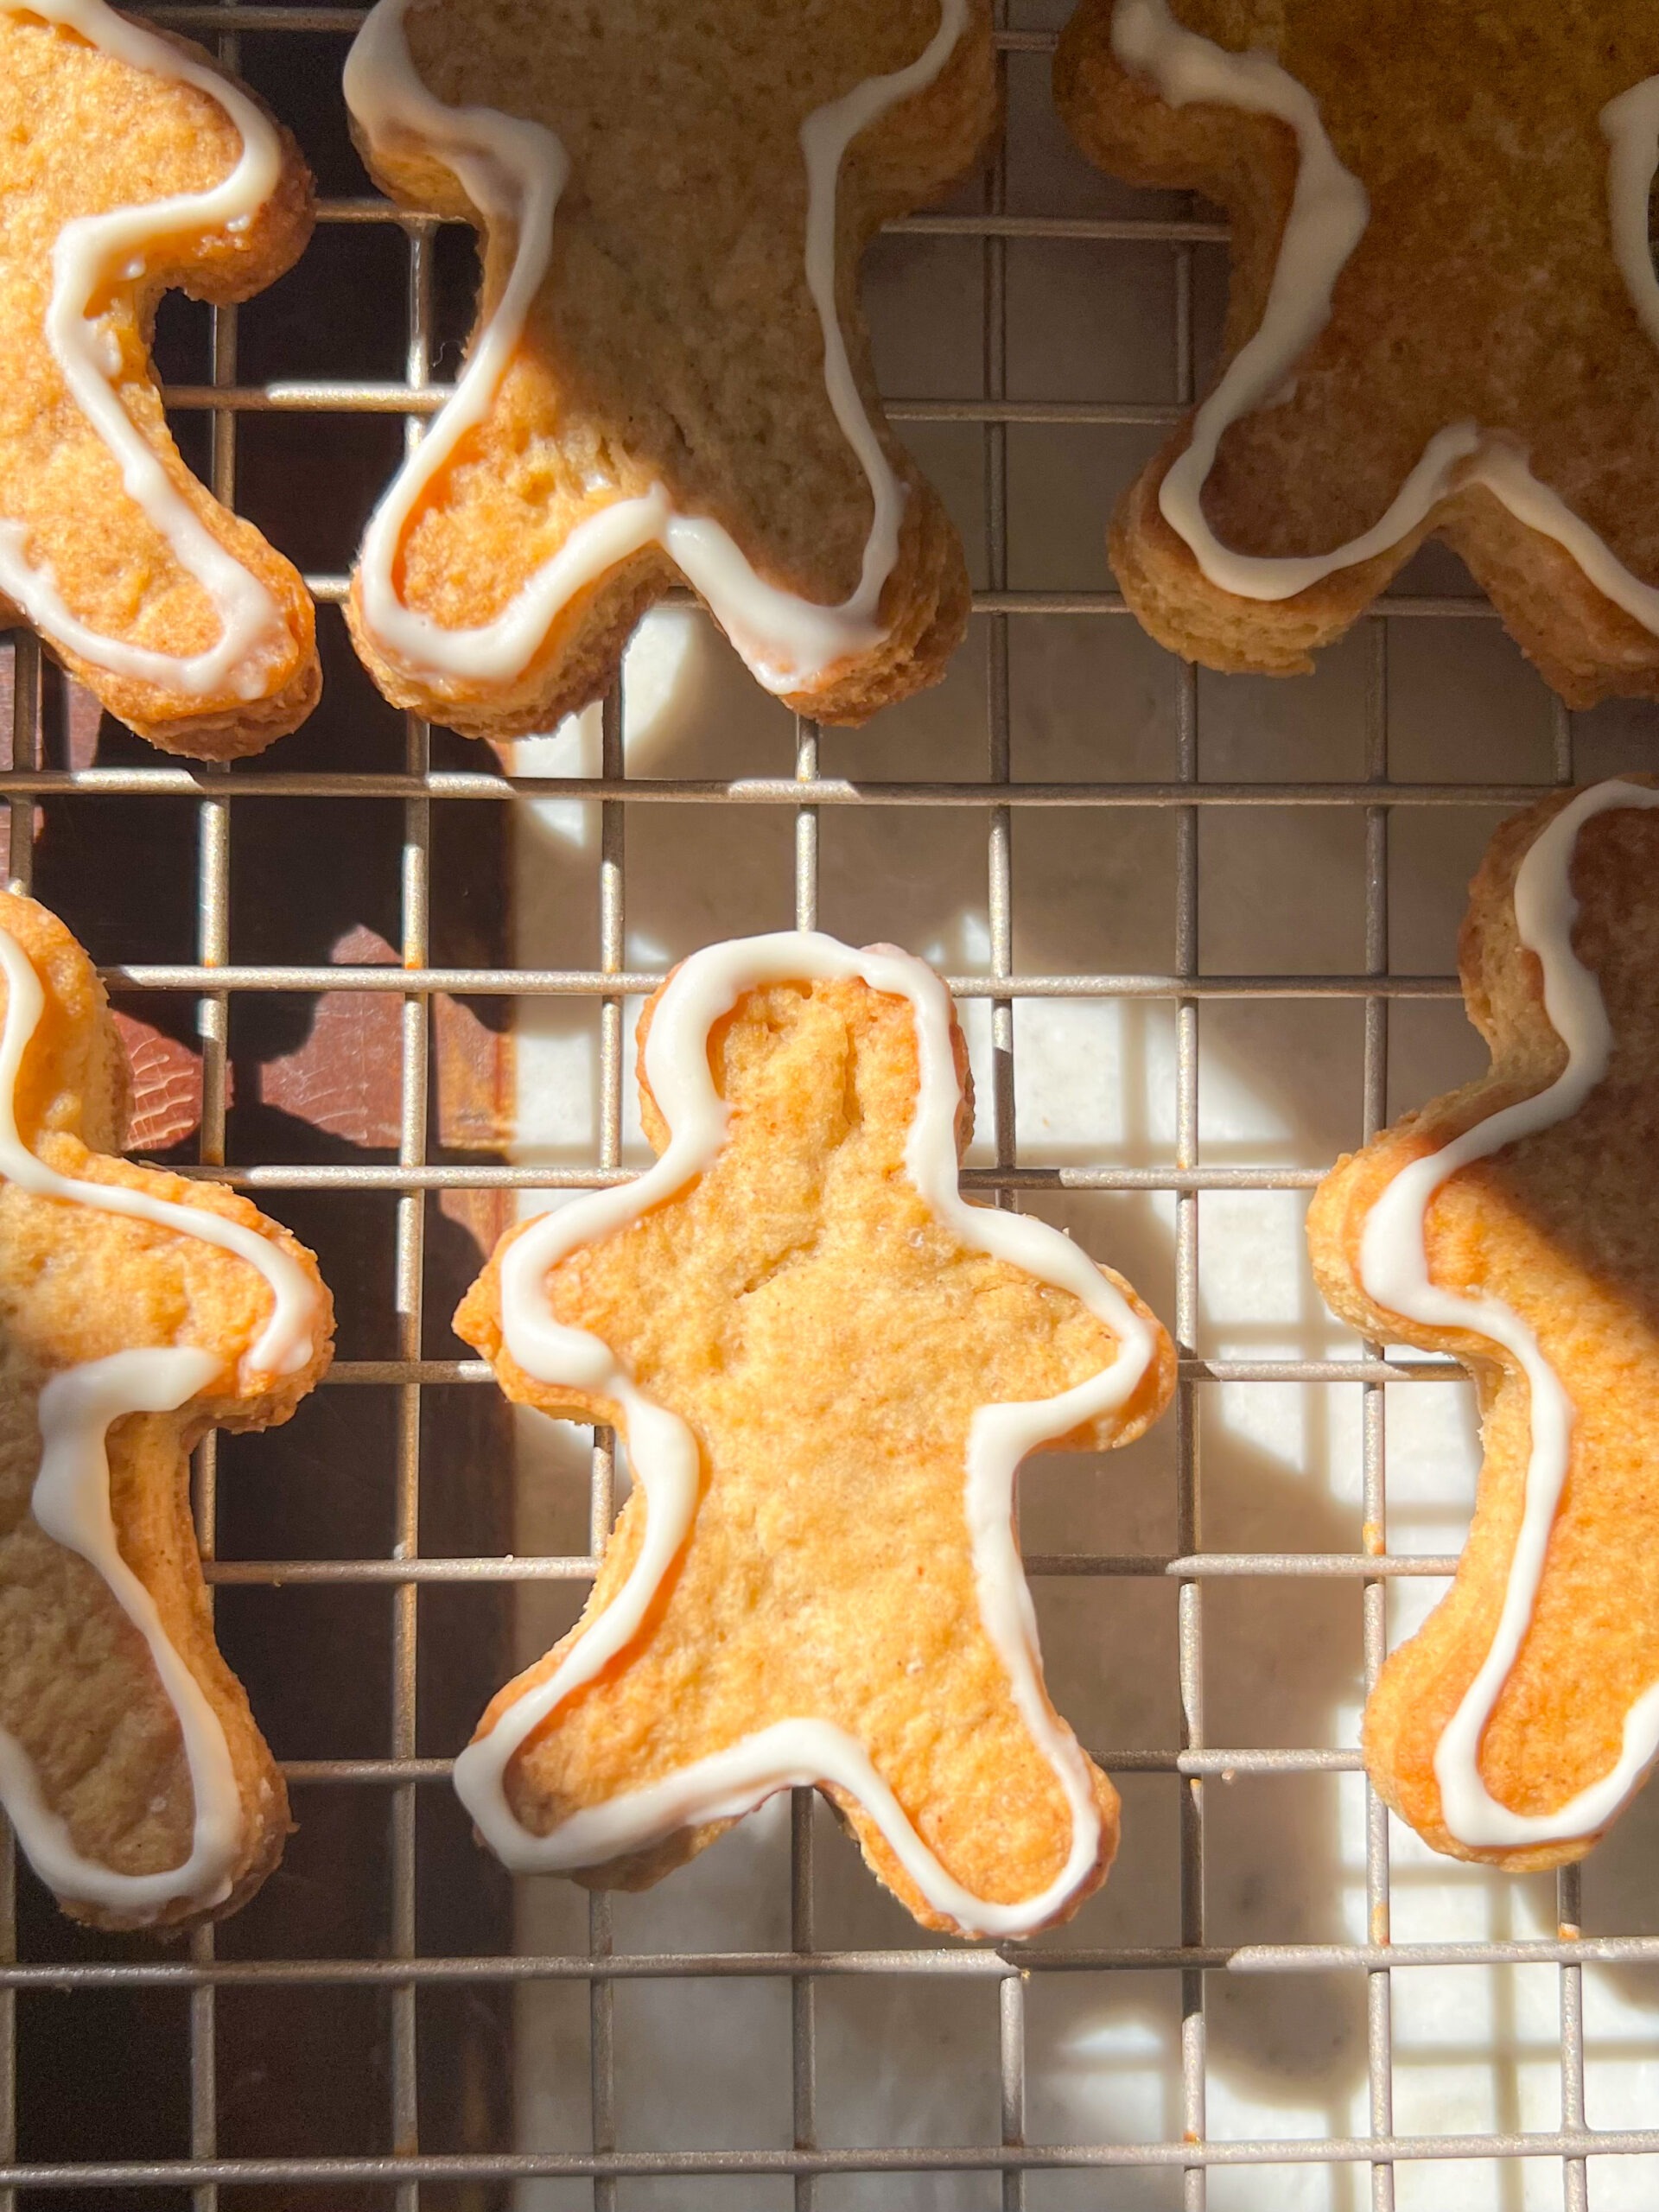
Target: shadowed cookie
[96, 1766]
[653, 393]
[833, 1344]
[1548, 1245]
[129, 164]
[1482, 368]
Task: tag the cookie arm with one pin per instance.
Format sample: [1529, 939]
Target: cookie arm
[1046, 1340]
[1247, 163]
[1152, 1395]
[922, 150]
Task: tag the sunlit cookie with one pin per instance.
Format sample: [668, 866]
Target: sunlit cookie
[669, 376]
[1515, 1223]
[1443, 317]
[129, 164]
[828, 1368]
[137, 1311]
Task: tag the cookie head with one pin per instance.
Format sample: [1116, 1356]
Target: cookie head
[1443, 317]
[670, 377]
[828, 1368]
[1514, 1225]
[136, 1311]
[129, 163]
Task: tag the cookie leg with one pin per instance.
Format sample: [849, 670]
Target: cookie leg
[79, 1698]
[646, 1768]
[1584, 646]
[1560, 1722]
[93, 1762]
[1000, 1825]
[925, 609]
[419, 666]
[1168, 592]
[1407, 1716]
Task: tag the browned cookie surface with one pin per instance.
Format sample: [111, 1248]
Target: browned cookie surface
[1483, 289]
[673, 341]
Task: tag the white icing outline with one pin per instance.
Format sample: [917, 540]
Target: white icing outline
[514, 172]
[1394, 1274]
[70, 1497]
[89, 251]
[666, 1460]
[1329, 211]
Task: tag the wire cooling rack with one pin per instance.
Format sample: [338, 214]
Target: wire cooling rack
[402, 2166]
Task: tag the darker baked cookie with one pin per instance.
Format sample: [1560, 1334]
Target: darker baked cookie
[1443, 319]
[669, 377]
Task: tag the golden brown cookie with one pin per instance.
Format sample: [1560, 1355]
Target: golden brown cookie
[827, 1367]
[669, 377]
[1443, 318]
[137, 1311]
[1515, 1223]
[130, 163]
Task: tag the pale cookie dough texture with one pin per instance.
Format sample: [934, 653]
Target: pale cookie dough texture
[670, 377]
[1515, 1224]
[1443, 319]
[827, 1367]
[130, 1765]
[129, 163]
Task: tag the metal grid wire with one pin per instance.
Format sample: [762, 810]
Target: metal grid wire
[217, 978]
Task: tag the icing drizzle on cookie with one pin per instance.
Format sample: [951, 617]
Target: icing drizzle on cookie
[1329, 212]
[1394, 1271]
[514, 172]
[665, 1453]
[71, 1497]
[90, 251]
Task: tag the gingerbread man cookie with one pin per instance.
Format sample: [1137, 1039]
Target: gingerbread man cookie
[129, 163]
[136, 1311]
[1515, 1223]
[1443, 319]
[828, 1369]
[670, 379]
